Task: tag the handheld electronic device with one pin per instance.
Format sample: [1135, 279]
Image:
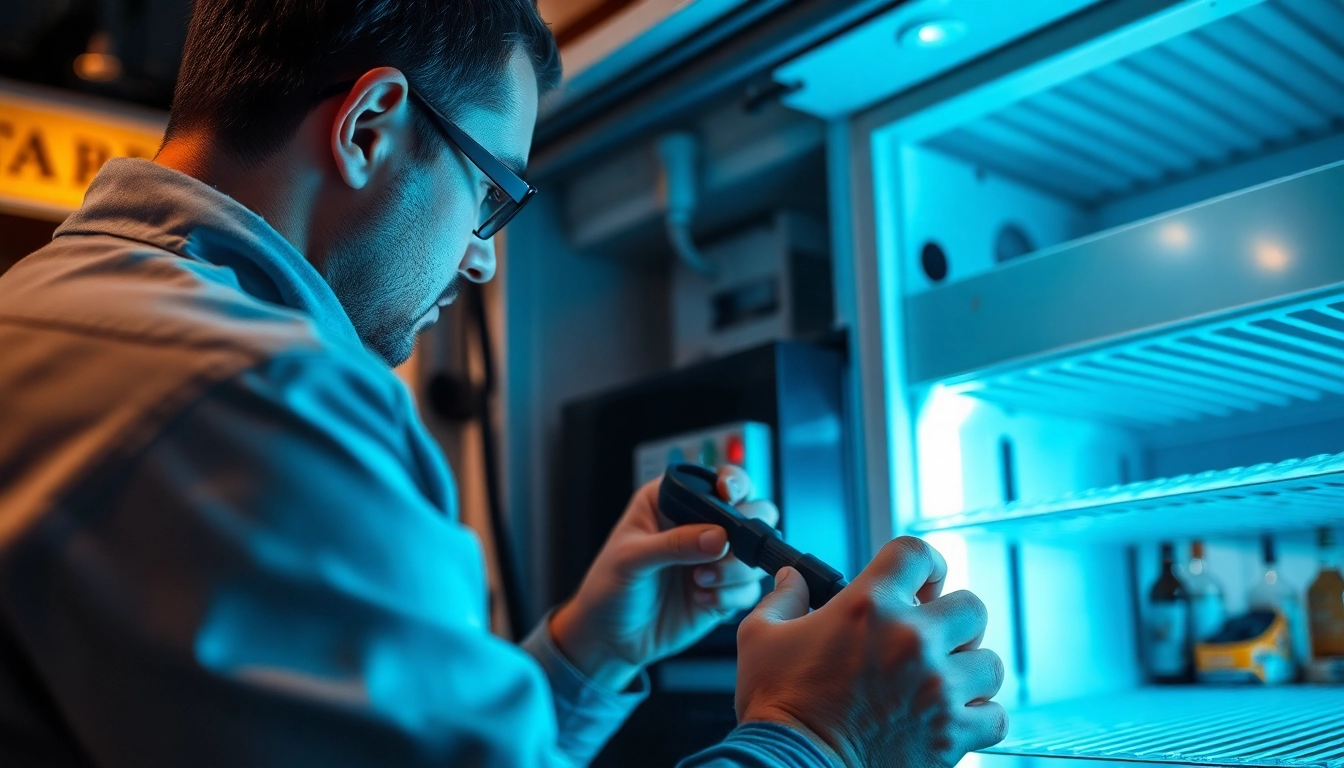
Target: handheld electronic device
[687, 496]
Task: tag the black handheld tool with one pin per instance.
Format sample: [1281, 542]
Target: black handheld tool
[687, 496]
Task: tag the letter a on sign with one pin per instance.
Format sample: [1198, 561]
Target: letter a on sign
[52, 145]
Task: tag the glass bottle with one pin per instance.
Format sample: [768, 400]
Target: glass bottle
[1325, 602]
[1273, 593]
[1207, 611]
[1167, 625]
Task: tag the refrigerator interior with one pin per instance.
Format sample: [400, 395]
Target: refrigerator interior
[1121, 281]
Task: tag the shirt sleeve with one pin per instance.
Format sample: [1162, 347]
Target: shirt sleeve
[277, 580]
[587, 713]
[761, 745]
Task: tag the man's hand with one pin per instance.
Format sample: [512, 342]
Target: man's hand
[886, 674]
[655, 589]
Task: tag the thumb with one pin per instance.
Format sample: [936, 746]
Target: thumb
[683, 545]
[788, 600]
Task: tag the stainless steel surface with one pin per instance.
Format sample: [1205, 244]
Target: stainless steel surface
[877, 367]
[1297, 726]
[1157, 281]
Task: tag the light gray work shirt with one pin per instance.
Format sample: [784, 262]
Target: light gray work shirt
[226, 538]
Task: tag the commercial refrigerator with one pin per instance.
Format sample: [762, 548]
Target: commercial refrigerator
[1089, 257]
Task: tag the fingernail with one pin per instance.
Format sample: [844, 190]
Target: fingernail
[712, 541]
[734, 486]
[783, 576]
[704, 577]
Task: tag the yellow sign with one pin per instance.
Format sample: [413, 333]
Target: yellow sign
[52, 145]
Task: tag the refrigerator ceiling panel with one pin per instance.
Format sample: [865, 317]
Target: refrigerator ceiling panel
[910, 44]
[1267, 78]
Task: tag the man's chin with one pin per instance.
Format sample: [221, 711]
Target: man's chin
[392, 349]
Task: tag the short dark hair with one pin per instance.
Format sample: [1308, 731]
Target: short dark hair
[252, 69]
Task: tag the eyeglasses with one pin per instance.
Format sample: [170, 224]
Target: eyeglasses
[508, 193]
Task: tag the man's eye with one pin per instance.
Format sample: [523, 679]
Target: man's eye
[495, 196]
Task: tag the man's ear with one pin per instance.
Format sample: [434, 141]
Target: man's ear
[371, 125]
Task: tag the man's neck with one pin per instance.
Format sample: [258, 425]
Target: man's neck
[270, 189]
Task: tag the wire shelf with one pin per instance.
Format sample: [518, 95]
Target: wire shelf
[1292, 494]
[1269, 358]
[1296, 726]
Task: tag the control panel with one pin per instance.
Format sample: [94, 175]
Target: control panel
[744, 443]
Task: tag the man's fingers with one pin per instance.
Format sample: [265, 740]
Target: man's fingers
[983, 725]
[761, 510]
[683, 545]
[962, 618]
[975, 675]
[787, 601]
[727, 572]
[734, 484]
[909, 568]
[647, 495]
[729, 599]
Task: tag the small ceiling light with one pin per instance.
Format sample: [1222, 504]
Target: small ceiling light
[931, 33]
[1272, 257]
[98, 64]
[1175, 236]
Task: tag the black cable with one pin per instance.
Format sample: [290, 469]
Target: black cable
[509, 580]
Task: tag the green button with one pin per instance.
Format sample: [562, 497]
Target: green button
[709, 453]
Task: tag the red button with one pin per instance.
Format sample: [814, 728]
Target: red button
[734, 450]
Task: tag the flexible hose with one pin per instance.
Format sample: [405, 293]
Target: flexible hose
[677, 156]
[679, 235]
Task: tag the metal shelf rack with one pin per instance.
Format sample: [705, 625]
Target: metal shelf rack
[1294, 726]
[1272, 357]
[1292, 494]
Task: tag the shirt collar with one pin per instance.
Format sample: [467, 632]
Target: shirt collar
[143, 201]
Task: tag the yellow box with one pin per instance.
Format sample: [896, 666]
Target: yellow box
[1266, 658]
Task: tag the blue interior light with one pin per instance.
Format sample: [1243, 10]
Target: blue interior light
[931, 33]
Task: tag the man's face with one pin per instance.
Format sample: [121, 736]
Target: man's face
[406, 255]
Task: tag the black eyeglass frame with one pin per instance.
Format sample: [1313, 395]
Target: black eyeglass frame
[499, 174]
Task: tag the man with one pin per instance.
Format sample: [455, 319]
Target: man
[225, 538]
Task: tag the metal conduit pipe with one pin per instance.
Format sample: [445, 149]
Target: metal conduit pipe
[677, 156]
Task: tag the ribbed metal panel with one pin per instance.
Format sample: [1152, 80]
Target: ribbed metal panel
[1267, 78]
[1274, 357]
[1297, 726]
[1293, 494]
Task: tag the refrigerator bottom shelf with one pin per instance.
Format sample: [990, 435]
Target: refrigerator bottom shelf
[1298, 726]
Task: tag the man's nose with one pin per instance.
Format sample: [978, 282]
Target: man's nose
[479, 263]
